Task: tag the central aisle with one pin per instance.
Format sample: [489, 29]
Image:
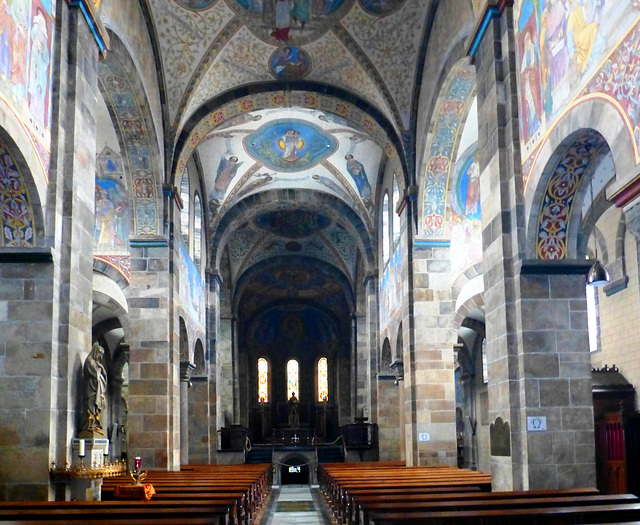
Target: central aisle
[295, 504]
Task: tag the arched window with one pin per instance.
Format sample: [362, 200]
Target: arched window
[293, 379]
[184, 214]
[385, 229]
[592, 317]
[323, 380]
[197, 230]
[396, 217]
[263, 380]
[485, 365]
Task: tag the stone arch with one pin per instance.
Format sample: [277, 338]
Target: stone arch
[199, 359]
[238, 213]
[589, 112]
[555, 220]
[473, 299]
[386, 355]
[184, 341]
[21, 215]
[448, 122]
[399, 343]
[304, 95]
[124, 94]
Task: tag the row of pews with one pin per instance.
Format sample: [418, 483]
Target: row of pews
[390, 493]
[196, 495]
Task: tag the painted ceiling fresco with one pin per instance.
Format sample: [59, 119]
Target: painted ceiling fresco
[364, 46]
[289, 233]
[286, 148]
[571, 51]
[301, 281]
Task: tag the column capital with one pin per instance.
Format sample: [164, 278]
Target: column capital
[90, 12]
[492, 9]
[186, 370]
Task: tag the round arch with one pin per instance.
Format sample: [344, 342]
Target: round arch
[239, 212]
[126, 100]
[271, 96]
[590, 112]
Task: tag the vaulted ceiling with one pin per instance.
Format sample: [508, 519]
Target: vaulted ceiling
[368, 47]
[293, 126]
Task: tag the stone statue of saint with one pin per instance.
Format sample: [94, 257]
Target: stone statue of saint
[94, 391]
[294, 417]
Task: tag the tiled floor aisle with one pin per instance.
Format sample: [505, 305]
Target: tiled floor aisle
[295, 504]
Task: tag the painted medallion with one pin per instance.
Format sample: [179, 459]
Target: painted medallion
[289, 63]
[290, 145]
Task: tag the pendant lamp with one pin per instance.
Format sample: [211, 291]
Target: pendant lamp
[598, 274]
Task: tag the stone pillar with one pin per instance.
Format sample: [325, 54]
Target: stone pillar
[201, 430]
[46, 292]
[371, 330]
[186, 369]
[430, 383]
[537, 348]
[154, 369]
[213, 331]
[388, 418]
[225, 379]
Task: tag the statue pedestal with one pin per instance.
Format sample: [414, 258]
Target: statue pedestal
[88, 488]
[95, 451]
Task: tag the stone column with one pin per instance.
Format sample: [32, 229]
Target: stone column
[186, 369]
[201, 430]
[154, 371]
[537, 349]
[430, 383]
[213, 331]
[225, 380]
[388, 418]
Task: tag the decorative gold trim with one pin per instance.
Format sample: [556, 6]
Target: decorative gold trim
[109, 470]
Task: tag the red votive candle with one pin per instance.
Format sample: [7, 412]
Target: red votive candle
[137, 462]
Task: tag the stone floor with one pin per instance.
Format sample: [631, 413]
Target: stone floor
[296, 505]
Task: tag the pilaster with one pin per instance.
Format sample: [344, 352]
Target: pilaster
[154, 371]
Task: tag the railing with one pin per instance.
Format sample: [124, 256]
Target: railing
[292, 437]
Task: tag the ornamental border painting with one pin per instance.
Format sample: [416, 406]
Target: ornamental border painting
[561, 47]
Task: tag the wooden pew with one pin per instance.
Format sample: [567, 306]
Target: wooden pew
[220, 495]
[570, 514]
[500, 501]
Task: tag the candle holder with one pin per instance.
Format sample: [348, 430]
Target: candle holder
[138, 476]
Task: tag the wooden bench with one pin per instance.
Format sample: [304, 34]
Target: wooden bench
[220, 495]
[569, 514]
[502, 502]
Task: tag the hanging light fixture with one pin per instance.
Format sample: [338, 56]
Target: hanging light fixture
[598, 274]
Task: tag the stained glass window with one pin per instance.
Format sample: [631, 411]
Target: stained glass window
[323, 380]
[385, 229]
[197, 230]
[263, 380]
[293, 379]
[184, 214]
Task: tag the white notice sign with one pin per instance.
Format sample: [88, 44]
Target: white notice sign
[537, 424]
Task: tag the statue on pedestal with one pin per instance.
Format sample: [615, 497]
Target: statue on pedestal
[294, 414]
[94, 392]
